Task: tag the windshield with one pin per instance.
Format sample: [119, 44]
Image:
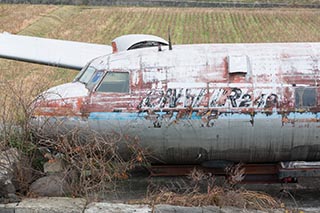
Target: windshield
[89, 76]
[86, 75]
[95, 79]
[81, 72]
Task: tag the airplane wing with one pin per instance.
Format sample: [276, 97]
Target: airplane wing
[52, 52]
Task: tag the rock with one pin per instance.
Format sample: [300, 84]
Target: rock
[13, 197]
[55, 166]
[51, 186]
[116, 208]
[51, 205]
[8, 166]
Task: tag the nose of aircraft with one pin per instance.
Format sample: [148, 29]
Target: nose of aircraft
[57, 106]
[60, 101]
[65, 91]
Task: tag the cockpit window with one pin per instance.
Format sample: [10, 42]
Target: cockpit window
[115, 82]
[95, 79]
[81, 72]
[87, 75]
[144, 44]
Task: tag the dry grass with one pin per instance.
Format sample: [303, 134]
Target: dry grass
[188, 25]
[193, 25]
[201, 190]
[17, 92]
[14, 18]
[218, 196]
[18, 86]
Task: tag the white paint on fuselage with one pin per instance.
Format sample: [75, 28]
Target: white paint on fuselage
[189, 62]
[69, 90]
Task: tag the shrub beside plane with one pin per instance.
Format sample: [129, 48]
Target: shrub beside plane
[187, 104]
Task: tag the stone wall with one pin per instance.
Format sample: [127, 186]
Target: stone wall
[156, 3]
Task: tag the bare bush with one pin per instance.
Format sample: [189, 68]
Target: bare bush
[235, 174]
[94, 161]
[17, 93]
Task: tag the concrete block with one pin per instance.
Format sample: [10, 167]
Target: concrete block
[309, 210]
[176, 209]
[116, 208]
[51, 205]
[8, 208]
[204, 209]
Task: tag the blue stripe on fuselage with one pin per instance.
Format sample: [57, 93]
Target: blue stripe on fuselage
[116, 116]
[194, 116]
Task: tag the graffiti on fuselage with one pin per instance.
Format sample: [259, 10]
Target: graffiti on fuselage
[173, 98]
[212, 98]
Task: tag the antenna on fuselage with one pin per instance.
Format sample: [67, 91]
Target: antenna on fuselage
[169, 39]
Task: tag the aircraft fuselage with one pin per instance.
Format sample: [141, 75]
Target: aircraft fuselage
[239, 102]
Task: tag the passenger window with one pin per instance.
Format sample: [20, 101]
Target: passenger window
[115, 82]
[305, 97]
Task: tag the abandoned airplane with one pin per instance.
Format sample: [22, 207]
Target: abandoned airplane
[188, 104]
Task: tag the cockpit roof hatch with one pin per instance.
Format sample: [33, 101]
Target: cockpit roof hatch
[136, 41]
